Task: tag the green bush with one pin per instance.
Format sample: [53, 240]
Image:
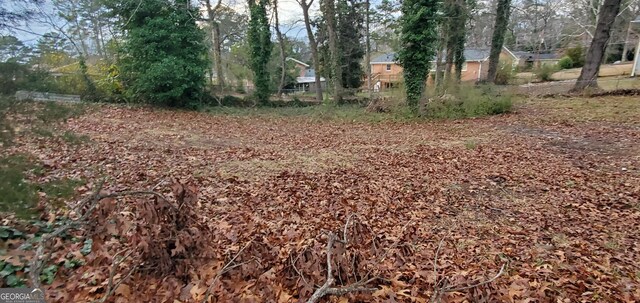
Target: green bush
[565, 63]
[577, 55]
[235, 101]
[164, 55]
[505, 74]
[545, 72]
[472, 101]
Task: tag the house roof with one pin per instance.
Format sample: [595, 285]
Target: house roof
[309, 77]
[635, 24]
[385, 58]
[529, 56]
[297, 61]
[470, 54]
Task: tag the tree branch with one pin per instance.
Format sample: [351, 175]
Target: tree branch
[326, 288]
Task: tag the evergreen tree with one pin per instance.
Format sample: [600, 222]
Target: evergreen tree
[350, 27]
[164, 56]
[260, 44]
[418, 38]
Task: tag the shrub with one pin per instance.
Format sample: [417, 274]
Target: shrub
[473, 101]
[577, 55]
[545, 72]
[235, 101]
[565, 63]
[504, 74]
[164, 55]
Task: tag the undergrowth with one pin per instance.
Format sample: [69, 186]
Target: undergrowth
[469, 102]
[18, 195]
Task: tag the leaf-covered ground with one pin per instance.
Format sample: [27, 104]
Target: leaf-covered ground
[551, 192]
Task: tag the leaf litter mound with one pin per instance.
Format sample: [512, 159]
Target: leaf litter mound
[420, 214]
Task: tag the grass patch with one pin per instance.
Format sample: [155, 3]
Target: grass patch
[59, 190]
[17, 195]
[611, 108]
[470, 144]
[323, 112]
[42, 132]
[74, 139]
[53, 112]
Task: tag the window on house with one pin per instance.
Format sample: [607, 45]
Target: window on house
[388, 67]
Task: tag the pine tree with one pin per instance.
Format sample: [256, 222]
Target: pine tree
[350, 27]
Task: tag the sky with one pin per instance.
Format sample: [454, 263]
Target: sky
[289, 11]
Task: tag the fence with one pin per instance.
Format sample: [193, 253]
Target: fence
[39, 96]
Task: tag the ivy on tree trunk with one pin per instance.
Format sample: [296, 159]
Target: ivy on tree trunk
[497, 41]
[418, 37]
[260, 44]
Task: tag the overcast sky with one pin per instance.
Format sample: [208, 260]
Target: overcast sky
[289, 11]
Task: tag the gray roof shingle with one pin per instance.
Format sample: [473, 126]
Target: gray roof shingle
[470, 54]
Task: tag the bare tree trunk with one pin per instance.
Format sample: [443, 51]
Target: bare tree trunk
[625, 48]
[336, 70]
[448, 65]
[314, 46]
[368, 47]
[283, 57]
[497, 41]
[217, 54]
[589, 74]
[439, 56]
[215, 32]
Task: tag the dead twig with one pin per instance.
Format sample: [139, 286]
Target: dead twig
[226, 268]
[326, 288]
[441, 286]
[293, 264]
[451, 288]
[114, 267]
[346, 226]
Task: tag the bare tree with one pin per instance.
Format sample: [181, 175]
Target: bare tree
[589, 74]
[313, 44]
[329, 12]
[368, 45]
[212, 14]
[283, 55]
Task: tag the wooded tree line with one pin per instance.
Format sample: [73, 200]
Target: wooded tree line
[173, 52]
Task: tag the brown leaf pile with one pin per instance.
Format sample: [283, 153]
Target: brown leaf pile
[557, 203]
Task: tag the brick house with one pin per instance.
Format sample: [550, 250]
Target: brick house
[386, 72]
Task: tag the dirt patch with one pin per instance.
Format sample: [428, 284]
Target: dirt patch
[313, 162]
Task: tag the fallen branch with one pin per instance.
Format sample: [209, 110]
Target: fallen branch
[452, 289]
[326, 288]
[90, 203]
[114, 267]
